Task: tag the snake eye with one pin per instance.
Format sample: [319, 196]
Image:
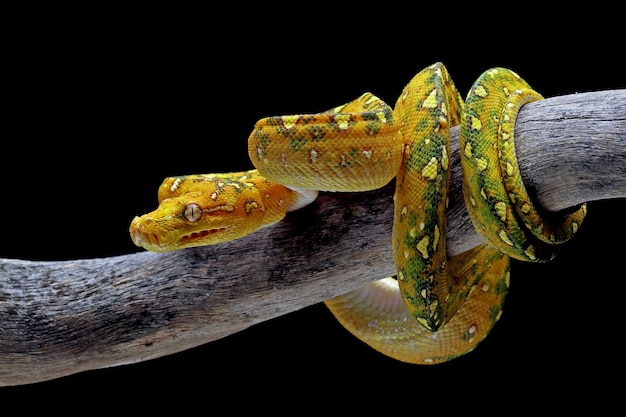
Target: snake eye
[192, 212]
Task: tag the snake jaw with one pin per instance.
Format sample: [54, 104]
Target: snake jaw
[163, 233]
[201, 237]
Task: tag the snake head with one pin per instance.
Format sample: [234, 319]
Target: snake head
[197, 210]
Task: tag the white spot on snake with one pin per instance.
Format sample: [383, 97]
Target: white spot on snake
[509, 169]
[444, 158]
[481, 164]
[512, 197]
[422, 247]
[437, 72]
[430, 170]
[431, 101]
[433, 309]
[468, 150]
[505, 237]
[290, 121]
[480, 91]
[475, 123]
[342, 121]
[175, 185]
[422, 321]
[500, 209]
[338, 108]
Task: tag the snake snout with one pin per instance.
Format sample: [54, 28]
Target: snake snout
[142, 233]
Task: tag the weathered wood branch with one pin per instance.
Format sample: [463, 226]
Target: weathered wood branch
[60, 318]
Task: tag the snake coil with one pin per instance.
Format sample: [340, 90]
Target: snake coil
[437, 307]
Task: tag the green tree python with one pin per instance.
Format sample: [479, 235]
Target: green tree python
[437, 307]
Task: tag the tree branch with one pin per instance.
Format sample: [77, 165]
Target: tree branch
[60, 318]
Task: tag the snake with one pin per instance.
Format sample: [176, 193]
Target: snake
[437, 307]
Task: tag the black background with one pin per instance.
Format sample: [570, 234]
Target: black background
[107, 104]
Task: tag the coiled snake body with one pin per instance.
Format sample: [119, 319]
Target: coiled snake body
[438, 307]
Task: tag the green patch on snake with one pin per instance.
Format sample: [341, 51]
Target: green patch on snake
[422, 125]
[469, 334]
[373, 128]
[263, 140]
[411, 219]
[501, 287]
[316, 133]
[274, 121]
[295, 144]
[424, 156]
[494, 312]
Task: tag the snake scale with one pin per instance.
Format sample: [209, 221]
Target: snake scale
[437, 307]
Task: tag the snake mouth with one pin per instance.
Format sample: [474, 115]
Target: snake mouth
[199, 236]
[151, 241]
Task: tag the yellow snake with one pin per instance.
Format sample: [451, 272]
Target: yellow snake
[438, 307]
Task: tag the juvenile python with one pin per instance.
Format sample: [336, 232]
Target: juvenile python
[438, 308]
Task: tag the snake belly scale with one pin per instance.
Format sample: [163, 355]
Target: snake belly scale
[437, 307]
